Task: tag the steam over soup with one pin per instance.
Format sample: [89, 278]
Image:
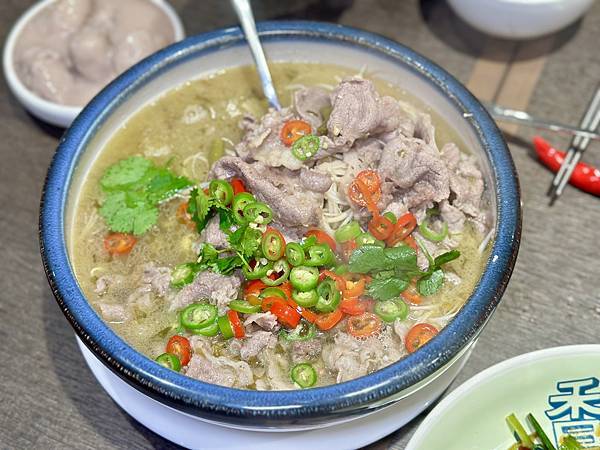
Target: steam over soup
[278, 250]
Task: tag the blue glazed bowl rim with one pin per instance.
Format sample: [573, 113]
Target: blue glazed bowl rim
[199, 397]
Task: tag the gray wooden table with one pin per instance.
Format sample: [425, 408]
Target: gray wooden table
[48, 397]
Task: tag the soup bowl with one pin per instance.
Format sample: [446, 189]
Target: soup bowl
[409, 384]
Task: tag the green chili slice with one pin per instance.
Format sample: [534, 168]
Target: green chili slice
[222, 191]
[225, 327]
[306, 147]
[183, 274]
[198, 315]
[272, 292]
[272, 244]
[430, 234]
[281, 269]
[348, 232]
[390, 310]
[368, 239]
[170, 361]
[258, 212]
[303, 332]
[304, 278]
[243, 306]
[211, 329]
[319, 255]
[294, 254]
[329, 296]
[306, 299]
[304, 375]
[390, 216]
[240, 201]
[259, 269]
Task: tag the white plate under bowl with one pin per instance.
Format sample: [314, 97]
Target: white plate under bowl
[560, 386]
[194, 433]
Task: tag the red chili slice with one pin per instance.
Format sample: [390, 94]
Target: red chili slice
[238, 186]
[403, 227]
[236, 324]
[381, 227]
[293, 130]
[286, 315]
[418, 336]
[180, 346]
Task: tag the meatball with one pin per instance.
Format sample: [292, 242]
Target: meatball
[70, 15]
[132, 48]
[46, 73]
[91, 52]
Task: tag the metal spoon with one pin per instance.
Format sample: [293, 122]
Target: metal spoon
[244, 13]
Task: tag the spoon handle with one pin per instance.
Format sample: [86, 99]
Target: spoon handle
[244, 12]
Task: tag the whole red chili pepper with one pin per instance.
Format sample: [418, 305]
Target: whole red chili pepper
[584, 177]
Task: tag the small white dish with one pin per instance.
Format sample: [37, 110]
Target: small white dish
[520, 19]
[55, 113]
[560, 386]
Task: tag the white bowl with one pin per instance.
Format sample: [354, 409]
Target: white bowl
[55, 113]
[520, 19]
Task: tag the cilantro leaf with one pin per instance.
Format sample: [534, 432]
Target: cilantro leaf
[163, 184]
[386, 288]
[430, 284]
[401, 257]
[208, 253]
[127, 216]
[226, 220]
[134, 187]
[227, 264]
[199, 208]
[366, 259]
[126, 173]
[370, 258]
[250, 242]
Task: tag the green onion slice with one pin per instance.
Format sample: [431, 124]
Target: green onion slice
[430, 234]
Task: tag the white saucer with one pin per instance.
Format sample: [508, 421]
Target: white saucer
[191, 432]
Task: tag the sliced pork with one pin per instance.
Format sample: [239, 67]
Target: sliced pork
[294, 203]
[216, 288]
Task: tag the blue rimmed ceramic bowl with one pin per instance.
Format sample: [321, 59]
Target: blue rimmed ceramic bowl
[414, 381]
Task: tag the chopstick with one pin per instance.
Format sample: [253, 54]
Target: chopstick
[523, 118]
[590, 122]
